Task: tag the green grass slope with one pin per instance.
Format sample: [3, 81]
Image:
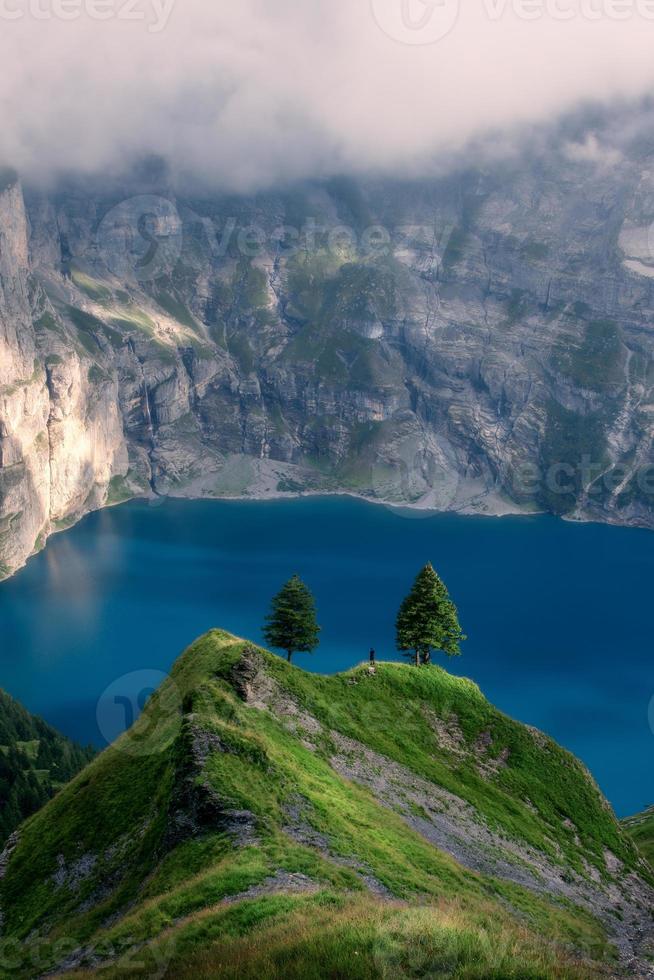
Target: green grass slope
[261, 821]
[641, 829]
[35, 761]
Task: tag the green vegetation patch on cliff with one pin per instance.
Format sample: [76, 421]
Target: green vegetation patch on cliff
[641, 829]
[326, 291]
[573, 446]
[35, 761]
[598, 362]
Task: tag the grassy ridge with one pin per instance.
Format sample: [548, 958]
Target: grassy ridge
[178, 838]
[336, 936]
[532, 798]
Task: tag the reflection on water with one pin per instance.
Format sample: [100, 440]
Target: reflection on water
[557, 614]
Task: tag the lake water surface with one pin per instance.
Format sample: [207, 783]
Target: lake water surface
[559, 615]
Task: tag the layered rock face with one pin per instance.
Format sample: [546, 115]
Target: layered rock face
[479, 343]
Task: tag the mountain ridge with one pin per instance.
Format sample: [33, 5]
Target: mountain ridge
[251, 799]
[494, 355]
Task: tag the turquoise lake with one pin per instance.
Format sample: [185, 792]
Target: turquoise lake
[559, 615]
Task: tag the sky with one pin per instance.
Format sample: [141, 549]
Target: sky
[249, 93]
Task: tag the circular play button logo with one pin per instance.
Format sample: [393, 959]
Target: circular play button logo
[416, 21]
[122, 703]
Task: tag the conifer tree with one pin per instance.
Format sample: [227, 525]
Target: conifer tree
[428, 620]
[291, 624]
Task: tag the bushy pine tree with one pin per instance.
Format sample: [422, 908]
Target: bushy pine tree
[428, 620]
[291, 624]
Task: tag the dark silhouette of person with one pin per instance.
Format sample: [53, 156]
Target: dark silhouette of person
[372, 658]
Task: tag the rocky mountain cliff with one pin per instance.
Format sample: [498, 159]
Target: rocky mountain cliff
[259, 820]
[479, 342]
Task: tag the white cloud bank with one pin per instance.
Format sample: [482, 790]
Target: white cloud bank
[248, 92]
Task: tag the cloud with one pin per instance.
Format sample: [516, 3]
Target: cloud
[250, 93]
[592, 151]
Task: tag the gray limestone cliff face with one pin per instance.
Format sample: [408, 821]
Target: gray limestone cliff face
[479, 343]
[24, 450]
[61, 428]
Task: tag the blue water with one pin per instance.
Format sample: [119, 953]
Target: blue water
[559, 615]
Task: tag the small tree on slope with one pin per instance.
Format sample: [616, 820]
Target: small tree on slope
[428, 620]
[291, 624]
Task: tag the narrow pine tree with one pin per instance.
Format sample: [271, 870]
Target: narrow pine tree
[428, 620]
[291, 624]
